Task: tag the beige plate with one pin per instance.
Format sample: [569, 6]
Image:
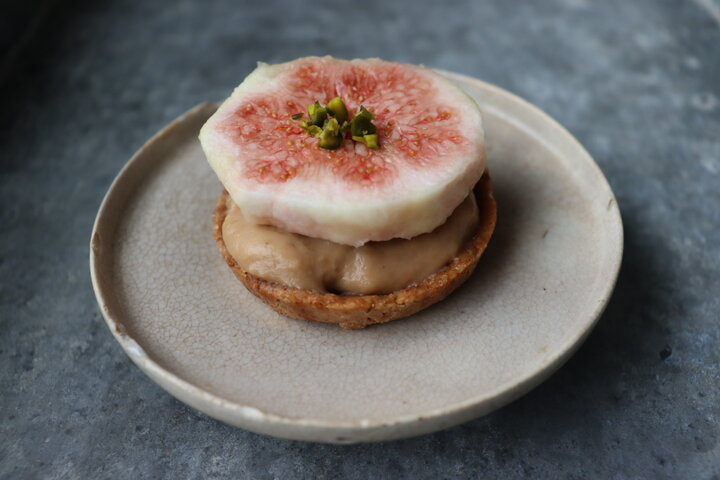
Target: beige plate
[183, 318]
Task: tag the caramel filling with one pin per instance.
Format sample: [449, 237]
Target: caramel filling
[323, 266]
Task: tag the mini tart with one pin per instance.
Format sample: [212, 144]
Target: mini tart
[359, 311]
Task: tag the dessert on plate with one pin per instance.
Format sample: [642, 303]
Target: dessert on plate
[355, 191]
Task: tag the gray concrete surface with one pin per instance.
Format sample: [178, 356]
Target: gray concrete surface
[637, 82]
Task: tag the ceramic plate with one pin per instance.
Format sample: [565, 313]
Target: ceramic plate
[183, 318]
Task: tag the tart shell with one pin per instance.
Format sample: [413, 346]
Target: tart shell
[359, 311]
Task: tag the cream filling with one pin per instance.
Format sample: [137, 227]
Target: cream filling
[323, 266]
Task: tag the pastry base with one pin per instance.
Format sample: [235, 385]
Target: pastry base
[359, 311]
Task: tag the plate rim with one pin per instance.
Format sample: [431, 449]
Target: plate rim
[334, 430]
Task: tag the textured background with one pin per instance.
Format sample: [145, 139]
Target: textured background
[84, 84]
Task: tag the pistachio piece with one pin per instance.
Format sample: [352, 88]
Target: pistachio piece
[330, 123]
[360, 126]
[371, 141]
[310, 128]
[330, 137]
[314, 130]
[363, 130]
[364, 111]
[330, 142]
[336, 108]
[318, 114]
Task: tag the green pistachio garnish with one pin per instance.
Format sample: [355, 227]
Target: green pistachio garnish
[361, 124]
[336, 108]
[366, 113]
[318, 114]
[371, 141]
[330, 124]
[314, 130]
[310, 128]
[330, 137]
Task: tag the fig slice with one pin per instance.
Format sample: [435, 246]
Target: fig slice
[431, 150]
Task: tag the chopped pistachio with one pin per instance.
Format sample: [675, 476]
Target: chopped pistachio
[331, 129]
[364, 111]
[336, 108]
[371, 141]
[360, 126]
[314, 130]
[330, 137]
[310, 128]
[366, 128]
[318, 114]
[330, 142]
[332, 125]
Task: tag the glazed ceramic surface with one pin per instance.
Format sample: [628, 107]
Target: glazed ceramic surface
[183, 318]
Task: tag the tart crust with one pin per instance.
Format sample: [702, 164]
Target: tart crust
[359, 311]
